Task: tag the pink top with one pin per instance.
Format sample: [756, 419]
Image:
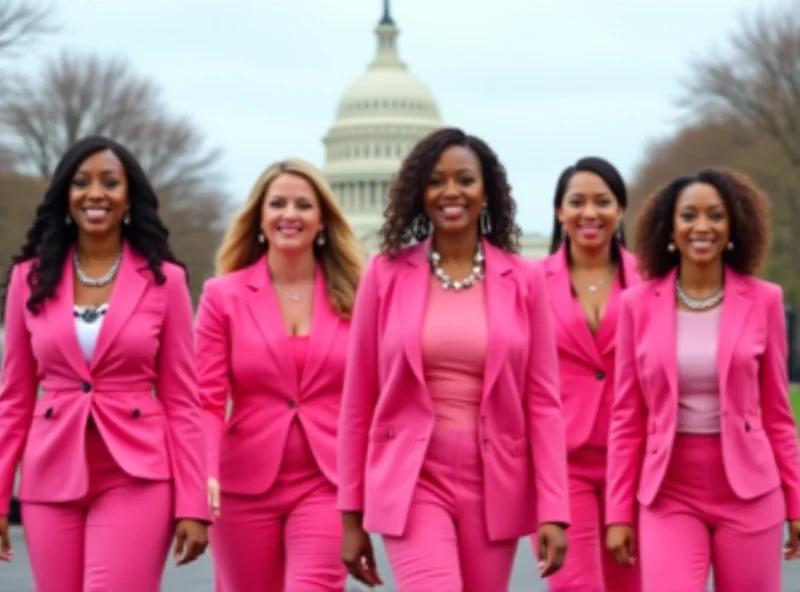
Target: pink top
[454, 342]
[698, 380]
[598, 438]
[299, 351]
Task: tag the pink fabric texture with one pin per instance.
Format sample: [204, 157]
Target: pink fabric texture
[454, 367]
[697, 522]
[445, 545]
[117, 537]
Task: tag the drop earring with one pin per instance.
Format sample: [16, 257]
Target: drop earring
[485, 221]
[320, 240]
[126, 220]
[261, 238]
[671, 247]
[730, 246]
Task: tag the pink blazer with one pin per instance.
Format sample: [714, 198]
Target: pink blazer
[140, 389]
[759, 436]
[244, 355]
[585, 361]
[387, 415]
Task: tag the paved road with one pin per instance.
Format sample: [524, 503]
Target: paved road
[15, 577]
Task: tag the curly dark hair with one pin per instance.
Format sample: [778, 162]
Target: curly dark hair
[405, 221]
[49, 239]
[748, 211]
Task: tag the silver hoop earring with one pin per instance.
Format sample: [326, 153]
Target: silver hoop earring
[320, 240]
[485, 220]
[671, 247]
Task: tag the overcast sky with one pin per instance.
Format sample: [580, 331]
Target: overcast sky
[543, 81]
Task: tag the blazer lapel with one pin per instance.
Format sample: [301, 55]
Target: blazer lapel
[414, 283]
[663, 313]
[125, 295]
[60, 314]
[735, 307]
[266, 313]
[324, 326]
[566, 307]
[501, 295]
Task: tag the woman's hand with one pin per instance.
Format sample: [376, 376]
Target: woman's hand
[357, 552]
[552, 548]
[792, 550]
[620, 541]
[191, 540]
[213, 496]
[6, 554]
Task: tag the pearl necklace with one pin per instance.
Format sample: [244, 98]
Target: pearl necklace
[448, 282]
[699, 304]
[103, 280]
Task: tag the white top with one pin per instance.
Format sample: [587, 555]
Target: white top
[88, 321]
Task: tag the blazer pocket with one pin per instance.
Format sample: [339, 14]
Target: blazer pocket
[516, 445]
[45, 409]
[145, 407]
[382, 433]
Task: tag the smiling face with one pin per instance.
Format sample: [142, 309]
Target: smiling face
[589, 211]
[701, 226]
[291, 215]
[98, 195]
[455, 194]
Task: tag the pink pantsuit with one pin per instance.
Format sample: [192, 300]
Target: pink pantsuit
[448, 503]
[99, 502]
[702, 496]
[586, 368]
[275, 456]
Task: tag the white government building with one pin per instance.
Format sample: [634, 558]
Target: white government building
[380, 117]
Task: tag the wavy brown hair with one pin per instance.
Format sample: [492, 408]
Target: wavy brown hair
[405, 221]
[748, 210]
[341, 257]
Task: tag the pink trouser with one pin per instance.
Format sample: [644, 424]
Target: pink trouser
[697, 521]
[445, 545]
[589, 567]
[116, 538]
[288, 538]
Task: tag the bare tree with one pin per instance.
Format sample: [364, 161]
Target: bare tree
[76, 95]
[757, 78]
[22, 21]
[43, 113]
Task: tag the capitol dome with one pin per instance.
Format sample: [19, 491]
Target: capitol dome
[380, 117]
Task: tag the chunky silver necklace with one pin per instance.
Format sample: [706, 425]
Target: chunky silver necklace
[699, 304]
[103, 280]
[448, 282]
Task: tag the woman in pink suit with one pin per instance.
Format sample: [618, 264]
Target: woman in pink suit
[98, 318]
[451, 438]
[586, 273]
[701, 429]
[272, 333]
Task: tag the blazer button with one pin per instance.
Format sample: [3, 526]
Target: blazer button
[292, 405]
[600, 375]
[747, 426]
[49, 412]
[136, 413]
[86, 387]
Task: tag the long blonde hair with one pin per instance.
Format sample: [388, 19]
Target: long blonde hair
[341, 257]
